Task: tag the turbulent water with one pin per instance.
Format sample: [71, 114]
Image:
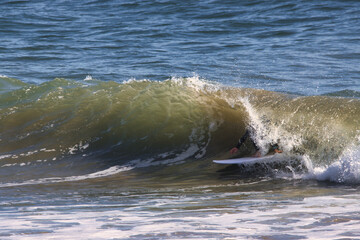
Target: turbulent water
[112, 112]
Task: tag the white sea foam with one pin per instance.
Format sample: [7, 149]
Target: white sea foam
[177, 159]
[132, 80]
[104, 173]
[345, 170]
[78, 147]
[5, 156]
[88, 78]
[194, 82]
[197, 83]
[165, 215]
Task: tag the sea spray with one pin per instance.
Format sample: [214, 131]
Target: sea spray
[346, 169]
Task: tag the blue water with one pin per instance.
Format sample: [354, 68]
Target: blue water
[304, 47]
[112, 112]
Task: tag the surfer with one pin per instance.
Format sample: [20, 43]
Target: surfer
[247, 134]
[242, 140]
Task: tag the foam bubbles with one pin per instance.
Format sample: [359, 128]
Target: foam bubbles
[211, 213]
[197, 83]
[88, 78]
[103, 173]
[345, 170]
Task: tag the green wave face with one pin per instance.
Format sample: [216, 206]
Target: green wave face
[178, 119]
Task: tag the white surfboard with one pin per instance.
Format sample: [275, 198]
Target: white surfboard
[248, 160]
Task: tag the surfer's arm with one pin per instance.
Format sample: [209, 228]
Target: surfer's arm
[241, 141]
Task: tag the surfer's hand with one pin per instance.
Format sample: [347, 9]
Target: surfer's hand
[234, 150]
[278, 151]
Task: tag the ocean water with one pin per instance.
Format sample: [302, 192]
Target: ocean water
[112, 112]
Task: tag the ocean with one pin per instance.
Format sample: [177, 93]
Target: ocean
[112, 112]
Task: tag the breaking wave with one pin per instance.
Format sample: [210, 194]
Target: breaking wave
[65, 130]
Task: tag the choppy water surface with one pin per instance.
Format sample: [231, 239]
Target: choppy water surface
[251, 209]
[111, 113]
[303, 47]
